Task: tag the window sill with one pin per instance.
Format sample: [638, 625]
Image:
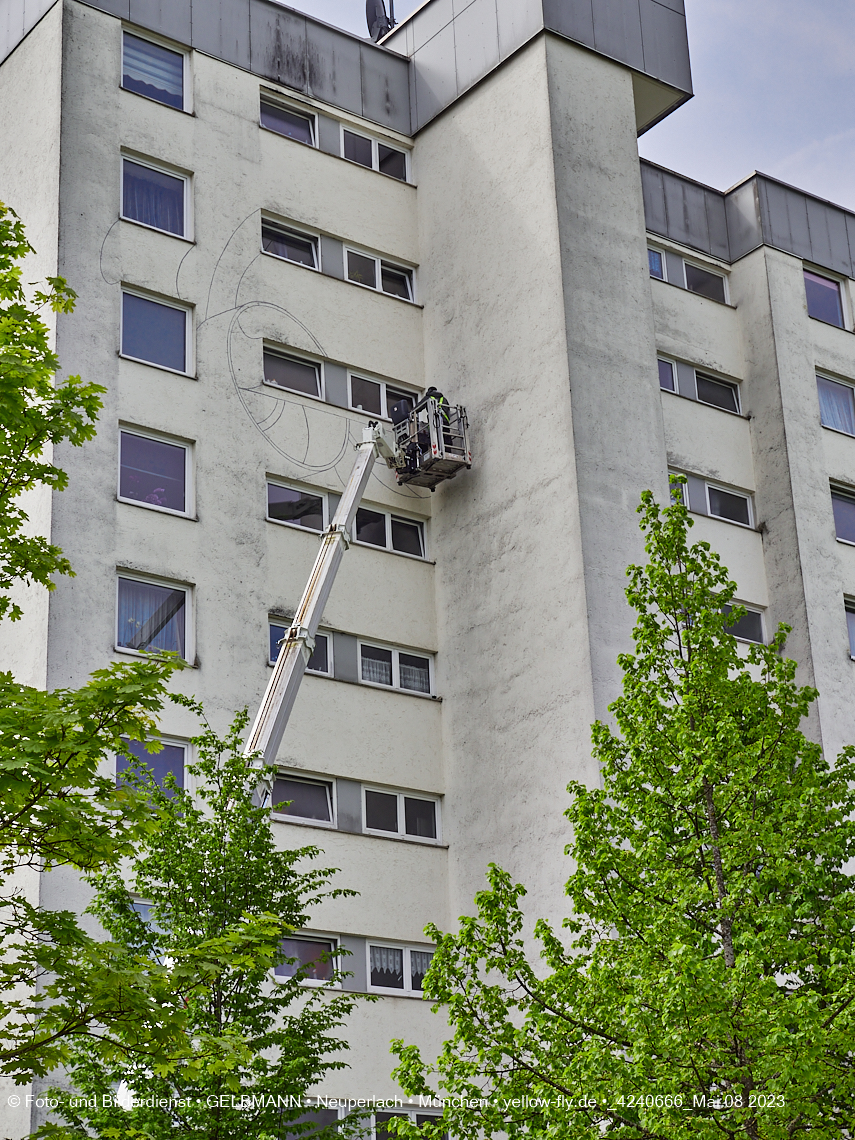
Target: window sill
[156, 229]
[278, 817]
[397, 553]
[289, 261]
[292, 391]
[845, 541]
[408, 994]
[146, 655]
[730, 522]
[412, 842]
[153, 507]
[159, 367]
[294, 526]
[381, 292]
[692, 293]
[158, 102]
[829, 324]
[393, 689]
[703, 403]
[837, 431]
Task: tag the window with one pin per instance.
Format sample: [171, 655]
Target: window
[667, 378]
[287, 121]
[302, 799]
[373, 154]
[381, 1132]
[656, 264]
[373, 273]
[155, 333]
[719, 393]
[823, 299]
[151, 617]
[836, 405]
[154, 71]
[702, 281]
[289, 244]
[321, 659]
[310, 959]
[395, 669]
[154, 198]
[401, 815]
[169, 761]
[749, 627]
[292, 372]
[850, 625]
[376, 396]
[843, 504]
[378, 528]
[299, 508]
[397, 968]
[321, 1117]
[152, 472]
[729, 505]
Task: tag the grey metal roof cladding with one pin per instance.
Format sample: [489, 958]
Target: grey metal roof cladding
[454, 43]
[759, 211]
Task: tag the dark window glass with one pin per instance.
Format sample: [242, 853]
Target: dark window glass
[381, 811]
[376, 665]
[151, 471]
[850, 625]
[823, 299]
[407, 537]
[319, 662]
[320, 1117]
[170, 760]
[727, 506]
[152, 197]
[286, 505]
[654, 261]
[844, 515]
[380, 1120]
[415, 673]
[357, 148]
[277, 635]
[398, 282]
[361, 269]
[702, 281]
[309, 955]
[420, 817]
[370, 527]
[285, 122]
[666, 375]
[749, 627]
[392, 162]
[387, 967]
[365, 394]
[419, 966]
[287, 372]
[152, 70]
[151, 617]
[287, 244]
[303, 799]
[836, 408]
[717, 393]
[153, 332]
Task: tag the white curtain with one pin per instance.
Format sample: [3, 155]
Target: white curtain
[836, 405]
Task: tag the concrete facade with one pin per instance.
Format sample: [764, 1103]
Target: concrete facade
[524, 223]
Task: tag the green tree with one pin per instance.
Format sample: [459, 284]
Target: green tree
[35, 414]
[212, 863]
[705, 985]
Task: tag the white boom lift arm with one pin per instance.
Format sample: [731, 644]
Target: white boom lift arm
[433, 444]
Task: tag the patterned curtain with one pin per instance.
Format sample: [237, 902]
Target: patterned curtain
[387, 967]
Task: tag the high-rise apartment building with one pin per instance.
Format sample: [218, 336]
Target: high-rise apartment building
[277, 230]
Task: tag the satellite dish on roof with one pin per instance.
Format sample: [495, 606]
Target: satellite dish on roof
[378, 22]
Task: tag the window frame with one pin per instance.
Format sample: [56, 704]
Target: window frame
[379, 262]
[751, 609]
[336, 963]
[174, 742]
[169, 584]
[181, 306]
[724, 383]
[850, 385]
[396, 670]
[289, 486]
[276, 622]
[359, 374]
[842, 492]
[301, 821]
[302, 358]
[842, 293]
[750, 525]
[407, 991]
[297, 231]
[402, 833]
[170, 45]
[661, 253]
[375, 154]
[173, 172]
[849, 608]
[713, 273]
[189, 511]
[305, 112]
[389, 514]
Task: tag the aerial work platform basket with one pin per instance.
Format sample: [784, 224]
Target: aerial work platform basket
[431, 442]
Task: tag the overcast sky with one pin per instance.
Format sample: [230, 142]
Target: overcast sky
[774, 91]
